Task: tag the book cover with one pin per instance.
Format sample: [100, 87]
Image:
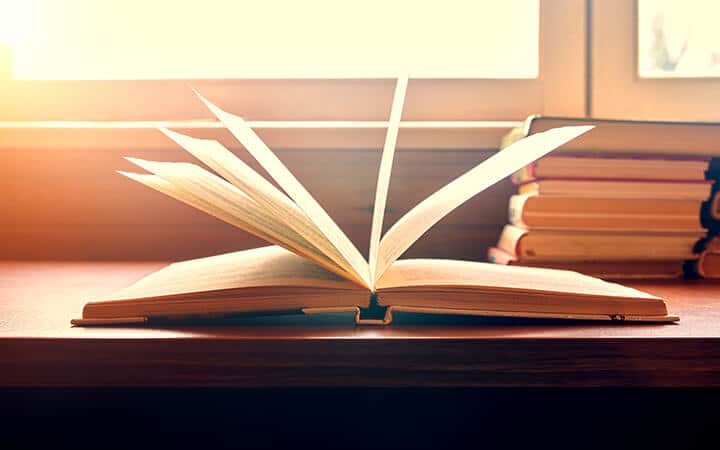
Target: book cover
[674, 140]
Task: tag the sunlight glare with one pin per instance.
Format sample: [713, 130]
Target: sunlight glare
[16, 20]
[187, 39]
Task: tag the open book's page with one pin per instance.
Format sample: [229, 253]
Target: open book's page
[260, 267]
[427, 213]
[201, 203]
[428, 273]
[197, 187]
[383, 180]
[255, 186]
[465, 287]
[306, 202]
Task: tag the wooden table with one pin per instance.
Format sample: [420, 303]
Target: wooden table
[38, 347]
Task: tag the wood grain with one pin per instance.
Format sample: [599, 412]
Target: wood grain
[39, 348]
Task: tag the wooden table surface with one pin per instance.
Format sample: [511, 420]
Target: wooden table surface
[38, 347]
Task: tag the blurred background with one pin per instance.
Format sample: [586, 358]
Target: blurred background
[84, 83]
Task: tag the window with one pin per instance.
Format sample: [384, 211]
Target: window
[171, 39]
[133, 61]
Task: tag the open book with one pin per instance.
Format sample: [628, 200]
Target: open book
[313, 267]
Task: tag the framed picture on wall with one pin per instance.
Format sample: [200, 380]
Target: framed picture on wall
[678, 39]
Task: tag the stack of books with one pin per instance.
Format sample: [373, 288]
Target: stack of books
[622, 201]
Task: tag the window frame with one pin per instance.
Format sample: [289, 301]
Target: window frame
[314, 113]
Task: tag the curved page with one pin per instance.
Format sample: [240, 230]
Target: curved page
[261, 267]
[383, 180]
[427, 213]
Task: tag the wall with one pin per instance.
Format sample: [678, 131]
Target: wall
[70, 204]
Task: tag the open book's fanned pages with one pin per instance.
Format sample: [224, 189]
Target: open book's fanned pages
[306, 202]
[197, 187]
[314, 267]
[267, 196]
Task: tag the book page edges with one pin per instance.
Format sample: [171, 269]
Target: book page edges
[536, 315]
[105, 322]
[387, 320]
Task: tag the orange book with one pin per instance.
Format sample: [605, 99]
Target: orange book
[589, 213]
[580, 245]
[602, 167]
[635, 189]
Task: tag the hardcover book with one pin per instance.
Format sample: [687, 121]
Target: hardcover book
[313, 267]
[586, 245]
[598, 213]
[604, 166]
[639, 138]
[637, 189]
